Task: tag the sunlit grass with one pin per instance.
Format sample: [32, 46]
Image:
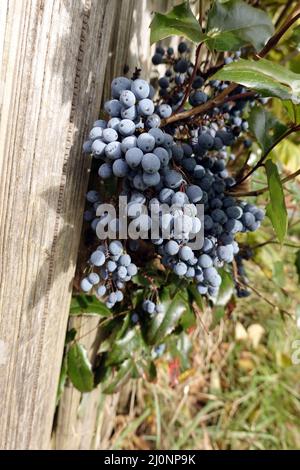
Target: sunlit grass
[236, 394]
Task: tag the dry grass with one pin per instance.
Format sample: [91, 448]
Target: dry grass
[241, 390]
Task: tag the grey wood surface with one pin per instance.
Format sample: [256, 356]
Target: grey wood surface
[53, 59]
[57, 58]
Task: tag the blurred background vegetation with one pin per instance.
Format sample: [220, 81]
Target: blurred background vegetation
[237, 388]
[240, 389]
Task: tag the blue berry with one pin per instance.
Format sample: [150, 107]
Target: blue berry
[134, 157]
[140, 88]
[180, 269]
[126, 127]
[120, 168]
[119, 84]
[150, 163]
[94, 278]
[86, 285]
[113, 108]
[146, 107]
[101, 291]
[127, 98]
[157, 59]
[105, 171]
[164, 110]
[97, 258]
[146, 142]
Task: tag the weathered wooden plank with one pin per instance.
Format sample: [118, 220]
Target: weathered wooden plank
[77, 414]
[54, 55]
[82, 419]
[86, 421]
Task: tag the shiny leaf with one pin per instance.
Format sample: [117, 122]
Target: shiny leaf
[234, 24]
[80, 369]
[264, 76]
[88, 304]
[178, 22]
[162, 324]
[276, 209]
[265, 127]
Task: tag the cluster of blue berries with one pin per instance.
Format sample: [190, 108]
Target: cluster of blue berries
[224, 217]
[181, 165]
[130, 144]
[110, 268]
[151, 307]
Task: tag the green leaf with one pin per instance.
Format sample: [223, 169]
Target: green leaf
[111, 330]
[188, 319]
[88, 304]
[218, 314]
[151, 372]
[125, 347]
[146, 368]
[293, 111]
[62, 380]
[70, 336]
[226, 289]
[137, 297]
[178, 22]
[102, 372]
[140, 280]
[234, 24]
[278, 274]
[183, 349]
[194, 294]
[297, 264]
[162, 324]
[264, 76]
[121, 376]
[276, 209]
[265, 127]
[80, 369]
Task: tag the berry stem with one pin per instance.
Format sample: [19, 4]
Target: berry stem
[265, 189]
[188, 88]
[291, 130]
[214, 102]
[291, 19]
[219, 99]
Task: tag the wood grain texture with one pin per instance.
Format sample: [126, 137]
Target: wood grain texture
[86, 421]
[77, 413]
[53, 58]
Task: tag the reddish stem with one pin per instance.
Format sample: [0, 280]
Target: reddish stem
[188, 88]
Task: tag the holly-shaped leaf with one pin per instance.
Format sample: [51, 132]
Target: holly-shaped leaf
[88, 305]
[195, 296]
[178, 22]
[226, 289]
[181, 347]
[276, 209]
[233, 24]
[163, 323]
[293, 111]
[80, 369]
[265, 127]
[125, 347]
[264, 76]
[120, 377]
[62, 380]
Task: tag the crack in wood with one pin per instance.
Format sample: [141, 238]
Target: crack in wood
[59, 209]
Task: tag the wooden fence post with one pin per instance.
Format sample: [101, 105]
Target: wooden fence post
[53, 57]
[85, 421]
